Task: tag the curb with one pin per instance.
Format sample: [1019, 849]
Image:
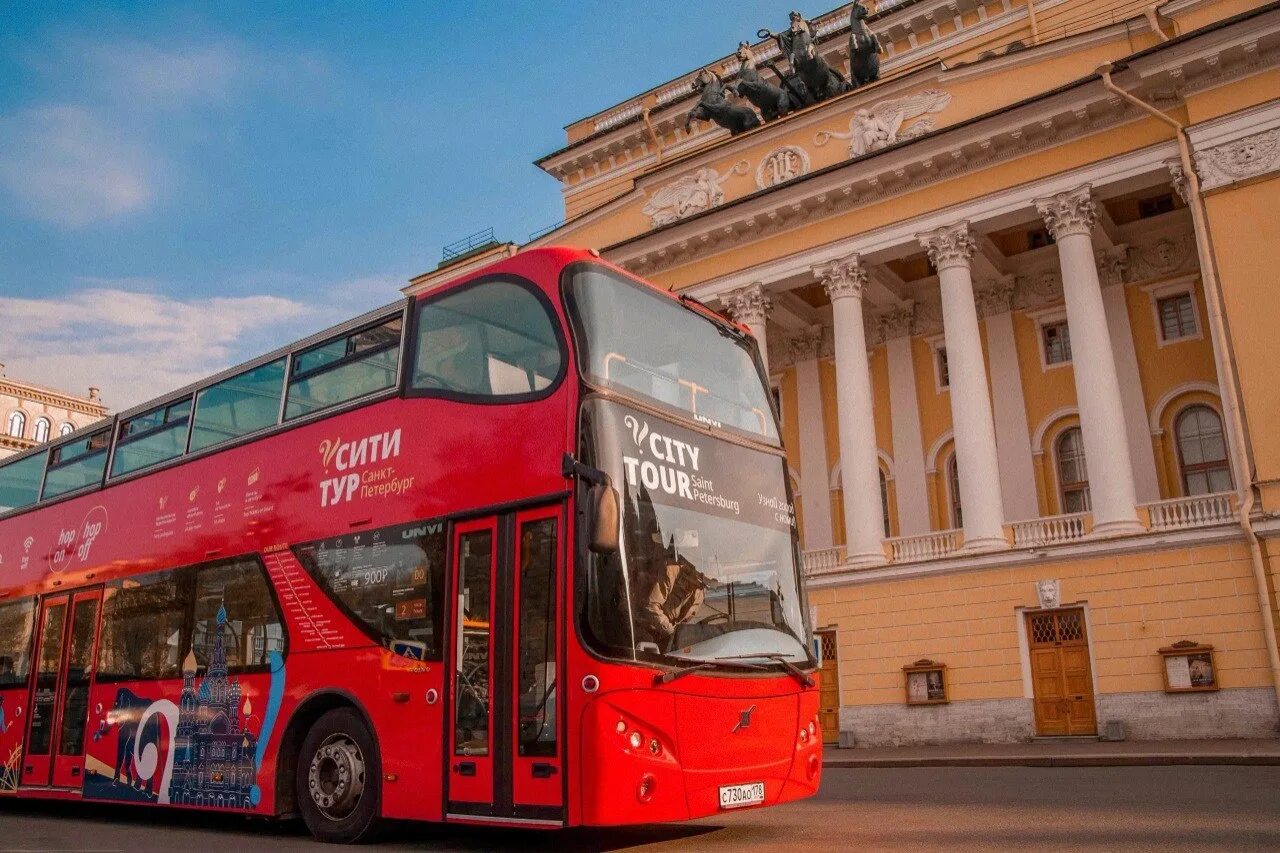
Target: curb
[1136, 760]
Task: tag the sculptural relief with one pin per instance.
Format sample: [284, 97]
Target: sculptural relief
[693, 193]
[1239, 160]
[882, 125]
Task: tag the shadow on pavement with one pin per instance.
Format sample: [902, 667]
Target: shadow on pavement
[243, 832]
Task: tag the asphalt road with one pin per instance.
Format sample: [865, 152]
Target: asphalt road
[1003, 808]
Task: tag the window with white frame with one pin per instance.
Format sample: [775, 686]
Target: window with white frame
[66, 429]
[17, 426]
[1057, 343]
[1202, 451]
[41, 432]
[884, 503]
[1177, 317]
[942, 368]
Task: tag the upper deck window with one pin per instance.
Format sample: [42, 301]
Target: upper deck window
[77, 465]
[238, 406]
[642, 343]
[152, 437]
[492, 339]
[20, 482]
[344, 368]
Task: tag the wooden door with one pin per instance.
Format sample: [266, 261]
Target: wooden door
[1061, 678]
[829, 688]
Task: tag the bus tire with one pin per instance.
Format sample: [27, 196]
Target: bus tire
[339, 771]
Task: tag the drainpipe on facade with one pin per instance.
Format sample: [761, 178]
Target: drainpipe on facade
[1035, 28]
[1218, 333]
[1153, 18]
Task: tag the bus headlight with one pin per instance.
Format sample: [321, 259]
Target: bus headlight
[648, 784]
[637, 740]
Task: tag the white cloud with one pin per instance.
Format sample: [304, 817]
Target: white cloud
[68, 167]
[147, 75]
[135, 343]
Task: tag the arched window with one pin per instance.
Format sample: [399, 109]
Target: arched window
[41, 433]
[884, 502]
[17, 425]
[66, 429]
[1073, 472]
[953, 490]
[1202, 452]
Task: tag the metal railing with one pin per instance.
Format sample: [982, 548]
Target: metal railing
[469, 244]
[1052, 530]
[1196, 511]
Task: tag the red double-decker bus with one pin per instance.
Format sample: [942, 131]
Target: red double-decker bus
[519, 550]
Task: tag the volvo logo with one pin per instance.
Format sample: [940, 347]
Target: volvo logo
[744, 719]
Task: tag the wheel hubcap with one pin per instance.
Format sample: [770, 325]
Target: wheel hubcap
[336, 776]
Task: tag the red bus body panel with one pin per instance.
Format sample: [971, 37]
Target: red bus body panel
[263, 496]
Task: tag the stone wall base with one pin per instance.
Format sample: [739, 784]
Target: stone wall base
[1237, 713]
[972, 721]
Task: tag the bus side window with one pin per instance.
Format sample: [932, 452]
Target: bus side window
[20, 482]
[152, 437]
[238, 406]
[145, 626]
[345, 368]
[389, 581]
[17, 624]
[234, 599]
[494, 339]
[77, 465]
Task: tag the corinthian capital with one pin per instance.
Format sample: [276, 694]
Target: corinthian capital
[748, 305]
[1072, 212]
[949, 246]
[842, 278]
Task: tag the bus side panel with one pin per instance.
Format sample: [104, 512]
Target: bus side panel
[196, 741]
[13, 720]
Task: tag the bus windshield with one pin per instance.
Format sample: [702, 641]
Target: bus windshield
[707, 568]
[642, 343]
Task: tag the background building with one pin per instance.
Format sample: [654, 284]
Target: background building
[1024, 359]
[33, 414]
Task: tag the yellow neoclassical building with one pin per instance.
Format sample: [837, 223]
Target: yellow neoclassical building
[1018, 297]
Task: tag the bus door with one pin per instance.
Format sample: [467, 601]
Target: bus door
[59, 718]
[505, 756]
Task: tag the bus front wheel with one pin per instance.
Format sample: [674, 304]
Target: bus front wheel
[337, 779]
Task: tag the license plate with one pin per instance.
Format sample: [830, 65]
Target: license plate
[737, 796]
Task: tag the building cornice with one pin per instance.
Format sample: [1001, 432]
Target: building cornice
[672, 99]
[51, 397]
[1074, 111]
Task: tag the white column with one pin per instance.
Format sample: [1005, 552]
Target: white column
[750, 306]
[908, 445]
[1009, 406]
[1111, 266]
[951, 249]
[815, 491]
[1070, 217]
[859, 463]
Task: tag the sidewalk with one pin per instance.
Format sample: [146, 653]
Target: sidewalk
[1061, 753]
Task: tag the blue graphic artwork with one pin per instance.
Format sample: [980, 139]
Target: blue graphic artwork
[213, 758]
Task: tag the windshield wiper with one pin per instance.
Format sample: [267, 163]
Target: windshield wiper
[781, 659]
[668, 677]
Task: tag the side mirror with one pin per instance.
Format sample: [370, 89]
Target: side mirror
[604, 519]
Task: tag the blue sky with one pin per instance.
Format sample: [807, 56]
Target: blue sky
[185, 185]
